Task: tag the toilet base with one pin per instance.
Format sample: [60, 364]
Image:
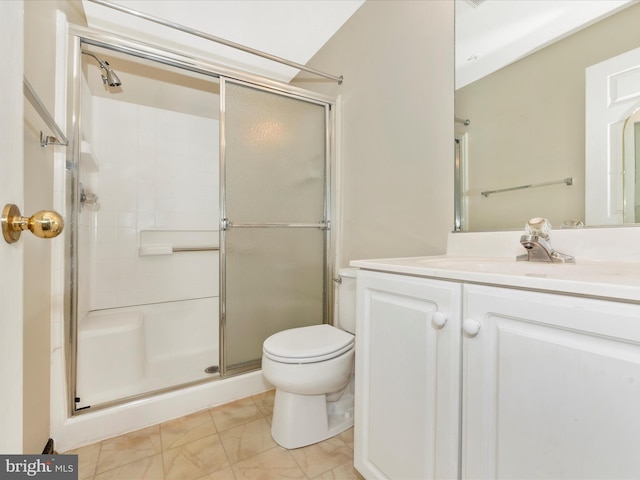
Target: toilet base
[301, 420]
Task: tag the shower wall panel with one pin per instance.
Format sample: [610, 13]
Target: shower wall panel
[157, 186]
[158, 171]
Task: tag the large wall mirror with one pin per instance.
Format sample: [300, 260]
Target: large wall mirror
[545, 90]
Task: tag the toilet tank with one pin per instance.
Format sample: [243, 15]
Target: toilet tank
[346, 317]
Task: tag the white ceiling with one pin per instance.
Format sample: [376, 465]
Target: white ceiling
[294, 30]
[489, 36]
[495, 33]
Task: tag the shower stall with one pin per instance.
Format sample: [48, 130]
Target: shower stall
[198, 204]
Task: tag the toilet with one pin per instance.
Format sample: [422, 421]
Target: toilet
[312, 370]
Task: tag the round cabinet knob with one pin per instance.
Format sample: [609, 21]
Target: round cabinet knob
[471, 327]
[438, 319]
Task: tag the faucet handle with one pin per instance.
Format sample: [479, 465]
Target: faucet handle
[538, 226]
[536, 241]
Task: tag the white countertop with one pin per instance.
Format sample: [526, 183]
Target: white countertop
[607, 262]
[603, 279]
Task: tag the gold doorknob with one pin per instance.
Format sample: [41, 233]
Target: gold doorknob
[43, 224]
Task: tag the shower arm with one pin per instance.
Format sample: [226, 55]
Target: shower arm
[103, 64]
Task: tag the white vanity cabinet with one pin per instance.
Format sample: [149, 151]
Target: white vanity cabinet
[407, 377]
[460, 380]
[551, 386]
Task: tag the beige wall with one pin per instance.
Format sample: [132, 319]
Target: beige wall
[528, 126]
[397, 59]
[397, 131]
[39, 68]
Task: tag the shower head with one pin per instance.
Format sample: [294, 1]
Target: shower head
[109, 78]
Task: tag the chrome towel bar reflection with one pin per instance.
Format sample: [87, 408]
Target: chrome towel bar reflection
[568, 181]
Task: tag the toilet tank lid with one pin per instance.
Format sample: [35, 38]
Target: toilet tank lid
[348, 272]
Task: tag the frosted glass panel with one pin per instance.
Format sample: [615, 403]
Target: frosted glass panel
[274, 173]
[275, 157]
[275, 281]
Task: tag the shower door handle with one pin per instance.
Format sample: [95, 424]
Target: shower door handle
[226, 224]
[43, 224]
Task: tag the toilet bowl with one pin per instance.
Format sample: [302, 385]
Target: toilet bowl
[312, 371]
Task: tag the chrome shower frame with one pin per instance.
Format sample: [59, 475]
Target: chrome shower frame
[79, 36]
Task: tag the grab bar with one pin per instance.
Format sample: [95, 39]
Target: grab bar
[33, 98]
[567, 181]
[153, 250]
[195, 249]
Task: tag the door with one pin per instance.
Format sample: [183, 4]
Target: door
[551, 386]
[407, 383]
[274, 232]
[612, 94]
[11, 191]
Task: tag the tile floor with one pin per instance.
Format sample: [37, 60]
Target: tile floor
[228, 442]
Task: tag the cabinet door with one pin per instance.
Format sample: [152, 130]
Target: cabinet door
[407, 377]
[551, 386]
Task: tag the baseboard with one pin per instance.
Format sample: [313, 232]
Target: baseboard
[48, 448]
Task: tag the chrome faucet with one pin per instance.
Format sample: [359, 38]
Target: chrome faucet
[536, 241]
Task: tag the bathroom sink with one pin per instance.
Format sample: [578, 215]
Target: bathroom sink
[491, 265]
[586, 271]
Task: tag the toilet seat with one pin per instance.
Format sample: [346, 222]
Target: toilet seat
[312, 344]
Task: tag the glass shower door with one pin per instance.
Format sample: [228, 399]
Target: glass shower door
[274, 232]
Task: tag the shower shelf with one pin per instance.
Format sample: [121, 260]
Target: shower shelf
[88, 160]
[148, 250]
[168, 242]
